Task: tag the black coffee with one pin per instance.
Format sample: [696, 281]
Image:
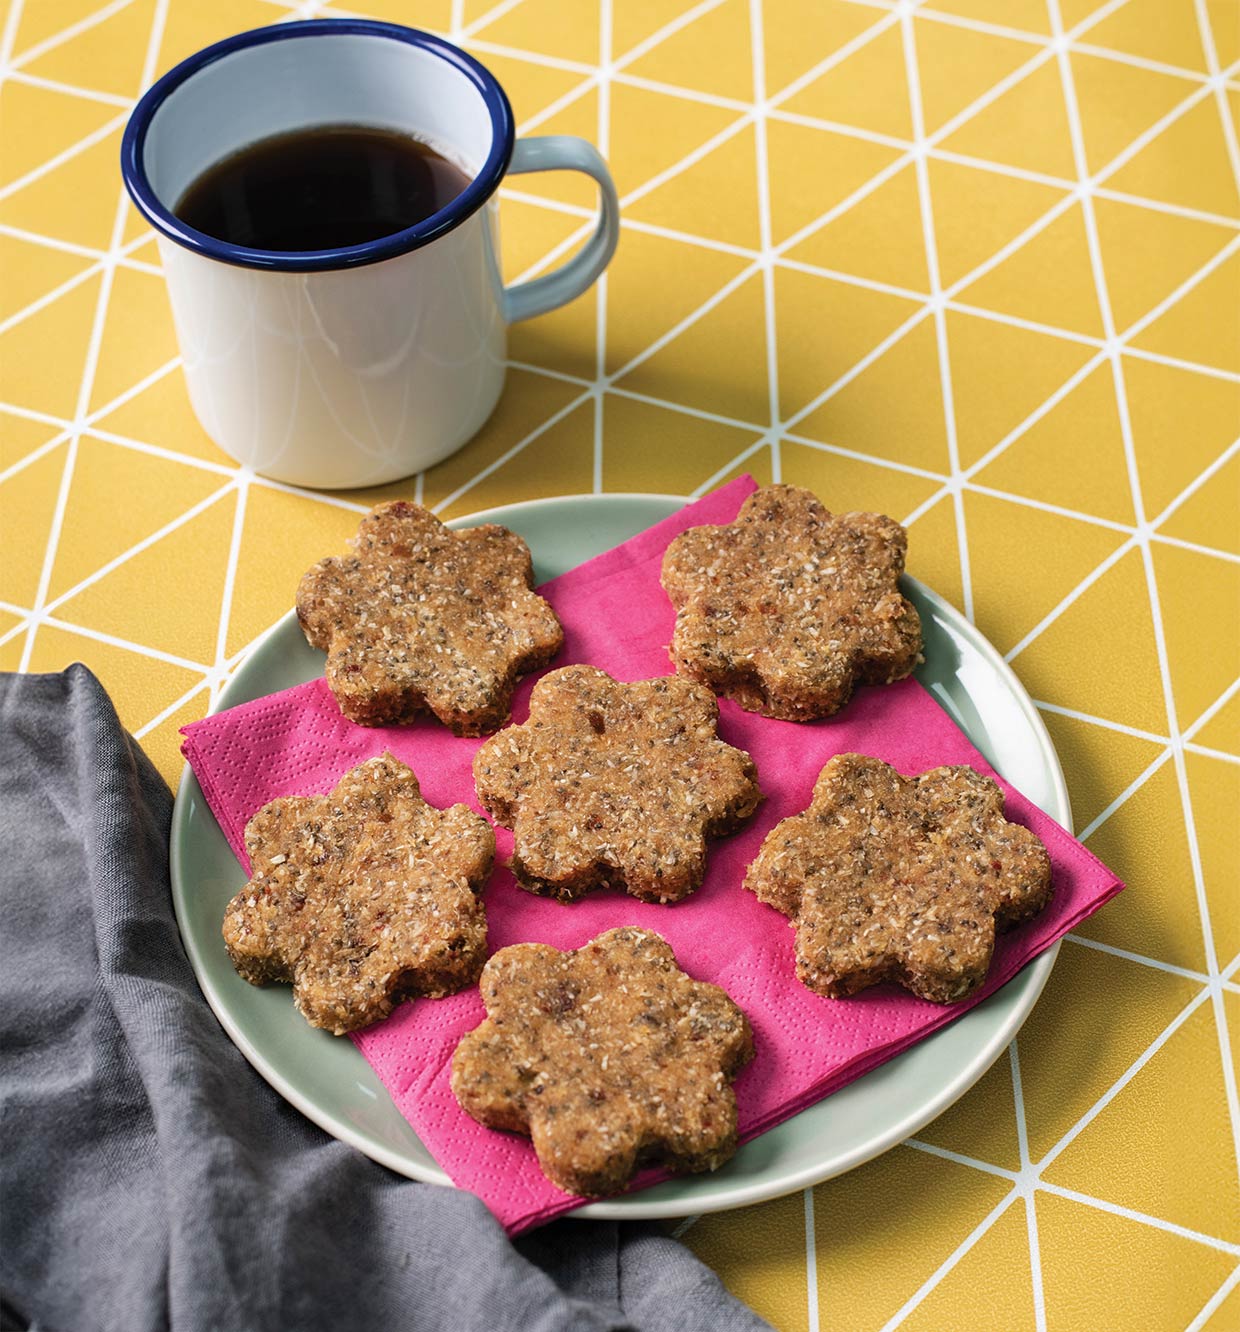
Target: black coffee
[320, 189]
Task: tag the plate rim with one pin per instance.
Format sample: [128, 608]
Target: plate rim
[631, 1206]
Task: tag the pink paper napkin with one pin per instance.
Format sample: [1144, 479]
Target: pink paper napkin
[616, 616]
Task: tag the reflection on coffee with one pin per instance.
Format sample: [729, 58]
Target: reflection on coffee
[320, 189]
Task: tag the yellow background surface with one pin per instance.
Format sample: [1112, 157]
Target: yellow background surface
[974, 263]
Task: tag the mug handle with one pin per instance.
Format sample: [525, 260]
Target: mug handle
[557, 152]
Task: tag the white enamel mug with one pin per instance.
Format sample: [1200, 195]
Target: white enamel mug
[360, 365]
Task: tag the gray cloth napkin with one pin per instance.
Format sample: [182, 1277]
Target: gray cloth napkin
[150, 1179]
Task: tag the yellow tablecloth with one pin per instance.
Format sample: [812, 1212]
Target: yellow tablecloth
[973, 264]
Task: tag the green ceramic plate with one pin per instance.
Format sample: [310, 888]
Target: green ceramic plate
[329, 1081]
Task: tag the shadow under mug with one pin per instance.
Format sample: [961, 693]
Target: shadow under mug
[360, 365]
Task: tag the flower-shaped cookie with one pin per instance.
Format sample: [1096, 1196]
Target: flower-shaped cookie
[614, 785]
[421, 618]
[606, 1057]
[362, 898]
[895, 879]
[787, 608]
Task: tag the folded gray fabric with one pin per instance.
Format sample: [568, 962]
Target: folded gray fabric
[150, 1179]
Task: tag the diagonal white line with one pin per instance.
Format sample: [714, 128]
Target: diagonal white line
[489, 16]
[1125, 1078]
[42, 302]
[887, 464]
[1101, 1205]
[690, 159]
[1123, 57]
[1045, 506]
[1147, 137]
[950, 1262]
[1140, 62]
[19, 628]
[561, 103]
[986, 1167]
[174, 707]
[656, 38]
[1030, 325]
[138, 547]
[319, 496]
[919, 316]
[1227, 556]
[1178, 363]
[1071, 599]
[862, 191]
[1043, 409]
[1204, 751]
[849, 279]
[51, 163]
[1212, 1304]
[1163, 206]
[158, 451]
[687, 322]
[511, 453]
[1216, 261]
[979, 25]
[1105, 722]
[68, 89]
[33, 456]
[1216, 707]
[50, 242]
[715, 477]
[645, 84]
[1140, 958]
[837, 57]
[485, 46]
[63, 35]
[114, 640]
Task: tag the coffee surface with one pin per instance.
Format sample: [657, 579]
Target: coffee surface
[320, 189]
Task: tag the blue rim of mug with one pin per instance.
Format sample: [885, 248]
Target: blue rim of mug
[476, 193]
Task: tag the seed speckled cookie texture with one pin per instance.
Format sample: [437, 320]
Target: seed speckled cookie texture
[789, 607]
[362, 898]
[888, 878]
[608, 1057]
[424, 619]
[612, 784]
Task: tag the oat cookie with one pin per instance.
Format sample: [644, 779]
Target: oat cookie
[790, 606]
[607, 1057]
[614, 785]
[899, 879]
[423, 619]
[362, 898]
